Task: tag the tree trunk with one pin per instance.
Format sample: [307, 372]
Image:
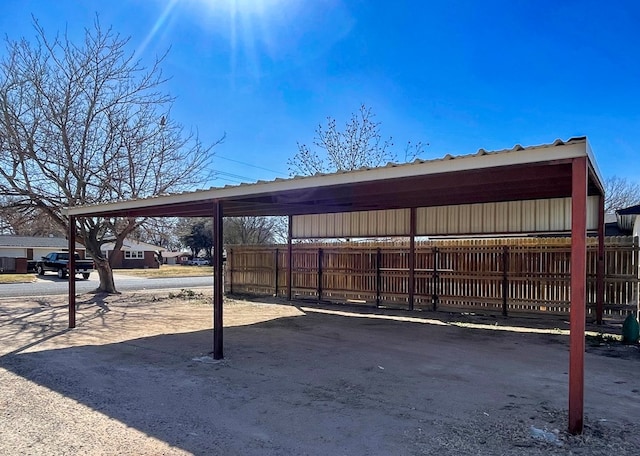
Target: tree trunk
[107, 284]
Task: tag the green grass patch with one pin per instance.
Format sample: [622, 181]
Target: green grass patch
[186, 294]
[168, 271]
[17, 278]
[596, 339]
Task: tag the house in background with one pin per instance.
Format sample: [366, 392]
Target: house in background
[20, 252]
[32, 248]
[624, 222]
[29, 249]
[628, 219]
[134, 255]
[175, 257]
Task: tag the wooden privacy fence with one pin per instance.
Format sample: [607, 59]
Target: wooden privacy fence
[7, 264]
[505, 275]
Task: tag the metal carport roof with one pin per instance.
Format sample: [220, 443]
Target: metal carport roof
[560, 169]
[515, 174]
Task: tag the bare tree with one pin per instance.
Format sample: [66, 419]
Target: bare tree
[250, 230]
[30, 221]
[620, 193]
[161, 232]
[86, 123]
[359, 145]
[197, 234]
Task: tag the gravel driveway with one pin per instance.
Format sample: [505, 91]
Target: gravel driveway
[135, 378]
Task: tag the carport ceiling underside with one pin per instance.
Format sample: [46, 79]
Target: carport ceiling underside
[517, 174]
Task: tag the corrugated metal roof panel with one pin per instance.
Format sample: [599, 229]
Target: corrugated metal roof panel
[239, 188]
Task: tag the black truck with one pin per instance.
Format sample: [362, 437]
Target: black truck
[58, 262]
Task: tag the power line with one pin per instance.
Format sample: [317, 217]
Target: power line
[230, 177]
[250, 165]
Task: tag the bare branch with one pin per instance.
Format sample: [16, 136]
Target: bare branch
[86, 122]
[359, 145]
[620, 193]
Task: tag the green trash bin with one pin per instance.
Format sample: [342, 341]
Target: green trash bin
[630, 330]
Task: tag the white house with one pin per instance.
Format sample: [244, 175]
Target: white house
[32, 248]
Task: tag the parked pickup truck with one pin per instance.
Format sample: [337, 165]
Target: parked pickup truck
[58, 262]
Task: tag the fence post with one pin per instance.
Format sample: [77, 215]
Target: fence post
[600, 263]
[435, 280]
[505, 278]
[230, 267]
[289, 258]
[412, 257]
[276, 272]
[319, 274]
[378, 275]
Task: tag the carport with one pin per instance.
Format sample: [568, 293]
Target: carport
[564, 169]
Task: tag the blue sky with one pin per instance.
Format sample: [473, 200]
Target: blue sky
[459, 75]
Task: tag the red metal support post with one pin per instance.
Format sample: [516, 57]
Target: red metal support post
[72, 271]
[217, 281]
[600, 265]
[578, 293]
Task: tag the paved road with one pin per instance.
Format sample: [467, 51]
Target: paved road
[51, 285]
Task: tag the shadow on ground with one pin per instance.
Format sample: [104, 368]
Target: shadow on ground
[328, 383]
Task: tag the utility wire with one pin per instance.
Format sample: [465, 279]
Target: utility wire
[222, 175]
[252, 166]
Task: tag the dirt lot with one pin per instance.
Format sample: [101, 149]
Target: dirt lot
[134, 378]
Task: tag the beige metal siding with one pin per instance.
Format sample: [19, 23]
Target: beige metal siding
[592, 212]
[513, 215]
[550, 215]
[541, 217]
[558, 215]
[352, 224]
[502, 218]
[527, 215]
[477, 218]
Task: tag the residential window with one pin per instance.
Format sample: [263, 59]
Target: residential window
[133, 255]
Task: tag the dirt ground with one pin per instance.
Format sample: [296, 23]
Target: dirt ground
[136, 377]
